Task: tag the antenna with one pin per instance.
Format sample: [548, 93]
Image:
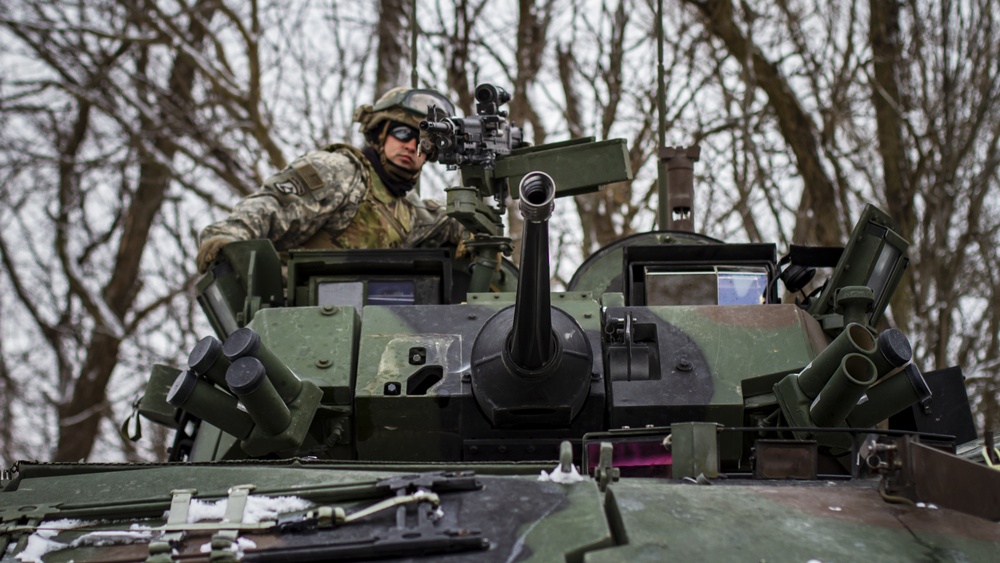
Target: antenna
[413, 61]
[663, 212]
[675, 165]
[413, 44]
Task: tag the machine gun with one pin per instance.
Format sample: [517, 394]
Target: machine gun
[492, 156]
[477, 140]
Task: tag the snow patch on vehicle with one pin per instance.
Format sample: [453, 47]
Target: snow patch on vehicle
[40, 543]
[557, 475]
[258, 509]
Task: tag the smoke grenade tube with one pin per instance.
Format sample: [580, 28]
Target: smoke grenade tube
[855, 339]
[841, 394]
[207, 360]
[894, 351]
[210, 404]
[890, 396]
[248, 380]
[247, 343]
[531, 342]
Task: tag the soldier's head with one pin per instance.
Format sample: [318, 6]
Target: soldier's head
[392, 128]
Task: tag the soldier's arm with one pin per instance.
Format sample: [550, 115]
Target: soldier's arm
[318, 188]
[433, 227]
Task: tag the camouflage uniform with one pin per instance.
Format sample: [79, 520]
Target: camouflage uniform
[338, 197]
[332, 198]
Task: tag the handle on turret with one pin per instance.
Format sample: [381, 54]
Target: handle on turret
[531, 342]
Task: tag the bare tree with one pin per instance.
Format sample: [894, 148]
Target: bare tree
[927, 73]
[391, 29]
[102, 176]
[134, 118]
[84, 64]
[819, 198]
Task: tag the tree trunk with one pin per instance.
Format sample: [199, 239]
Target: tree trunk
[532, 28]
[392, 45]
[80, 417]
[899, 191]
[818, 220]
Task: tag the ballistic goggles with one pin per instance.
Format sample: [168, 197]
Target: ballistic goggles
[404, 133]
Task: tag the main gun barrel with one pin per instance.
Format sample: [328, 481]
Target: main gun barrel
[531, 344]
[532, 363]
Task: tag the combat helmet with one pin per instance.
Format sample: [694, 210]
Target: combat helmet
[401, 104]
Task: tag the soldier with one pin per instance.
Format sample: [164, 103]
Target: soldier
[340, 197]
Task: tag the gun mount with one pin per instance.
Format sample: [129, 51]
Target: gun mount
[491, 155]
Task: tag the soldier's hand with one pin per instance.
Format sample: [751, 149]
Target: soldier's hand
[209, 250]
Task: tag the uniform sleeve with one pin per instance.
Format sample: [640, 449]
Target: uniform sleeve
[432, 226]
[317, 189]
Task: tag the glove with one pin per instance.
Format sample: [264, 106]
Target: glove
[209, 250]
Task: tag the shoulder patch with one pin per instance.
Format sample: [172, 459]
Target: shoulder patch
[290, 185]
[309, 173]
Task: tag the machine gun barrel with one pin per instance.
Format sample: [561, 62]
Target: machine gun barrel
[531, 342]
[437, 126]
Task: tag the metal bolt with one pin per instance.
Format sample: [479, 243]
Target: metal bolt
[472, 317]
[328, 310]
[684, 365]
[417, 355]
[323, 363]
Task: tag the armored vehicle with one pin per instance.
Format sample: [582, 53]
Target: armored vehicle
[443, 404]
